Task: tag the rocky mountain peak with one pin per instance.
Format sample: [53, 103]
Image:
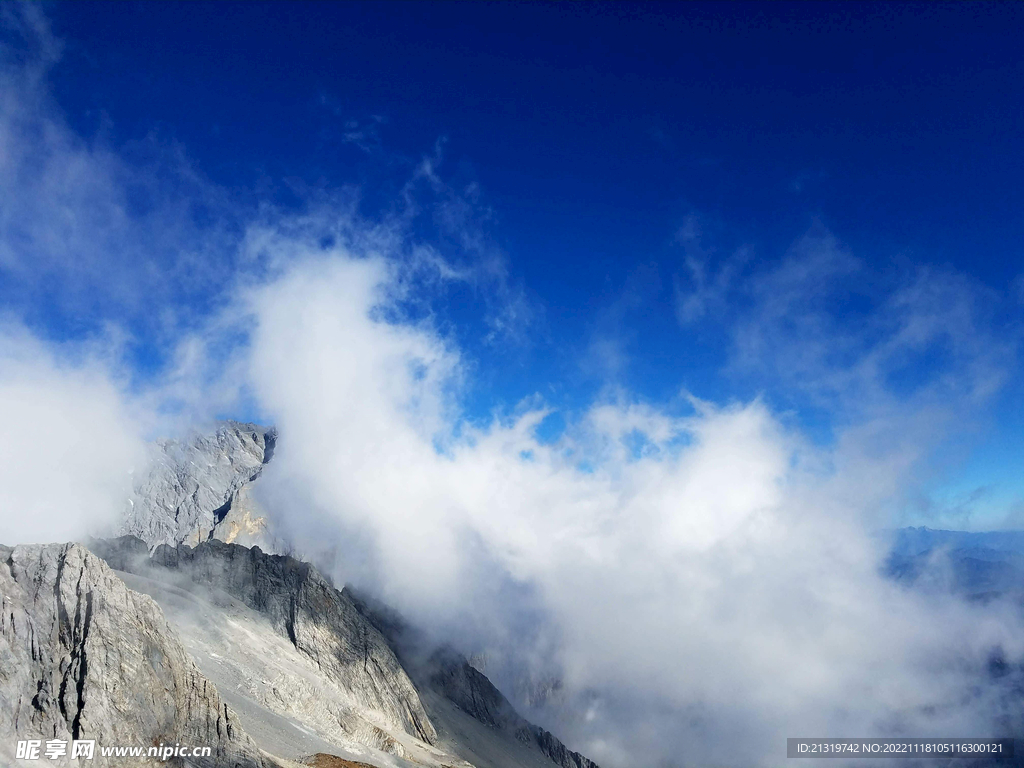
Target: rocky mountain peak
[198, 488]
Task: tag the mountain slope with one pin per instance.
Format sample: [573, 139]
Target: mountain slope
[84, 657]
[295, 603]
[455, 682]
[312, 669]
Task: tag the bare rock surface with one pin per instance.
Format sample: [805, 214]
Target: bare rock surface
[342, 679]
[84, 657]
[196, 489]
[311, 669]
[281, 697]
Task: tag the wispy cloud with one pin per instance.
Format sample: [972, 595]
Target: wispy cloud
[703, 288]
[93, 233]
[614, 326]
[820, 324]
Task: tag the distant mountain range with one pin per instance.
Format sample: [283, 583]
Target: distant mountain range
[976, 565]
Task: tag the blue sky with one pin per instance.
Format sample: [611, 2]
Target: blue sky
[815, 204]
[570, 316]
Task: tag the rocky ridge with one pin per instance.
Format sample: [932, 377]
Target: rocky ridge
[397, 695]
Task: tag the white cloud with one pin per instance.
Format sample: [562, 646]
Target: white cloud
[721, 582]
[68, 445]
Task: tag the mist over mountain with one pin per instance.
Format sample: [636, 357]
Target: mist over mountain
[304, 669]
[977, 565]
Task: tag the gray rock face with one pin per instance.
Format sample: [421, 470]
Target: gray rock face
[195, 490]
[449, 674]
[321, 622]
[84, 657]
[471, 691]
